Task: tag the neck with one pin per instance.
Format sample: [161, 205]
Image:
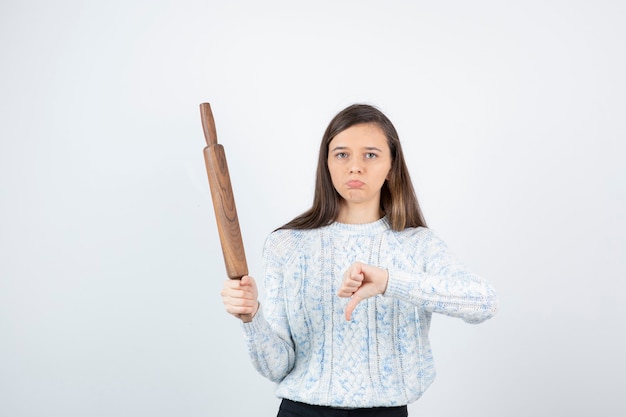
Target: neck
[358, 213]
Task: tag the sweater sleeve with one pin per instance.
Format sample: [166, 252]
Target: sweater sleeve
[268, 336]
[433, 279]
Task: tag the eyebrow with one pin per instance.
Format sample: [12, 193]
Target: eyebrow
[367, 148]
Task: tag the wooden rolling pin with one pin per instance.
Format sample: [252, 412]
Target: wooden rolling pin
[223, 199]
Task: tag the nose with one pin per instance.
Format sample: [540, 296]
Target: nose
[355, 168]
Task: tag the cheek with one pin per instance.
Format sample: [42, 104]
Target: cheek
[385, 173]
[333, 171]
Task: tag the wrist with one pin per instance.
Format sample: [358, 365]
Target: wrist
[385, 282]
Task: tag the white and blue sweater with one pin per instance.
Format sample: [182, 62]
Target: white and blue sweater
[301, 340]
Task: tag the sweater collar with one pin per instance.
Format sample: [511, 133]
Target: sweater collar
[362, 228]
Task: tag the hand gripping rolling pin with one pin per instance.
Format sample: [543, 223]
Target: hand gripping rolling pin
[223, 200]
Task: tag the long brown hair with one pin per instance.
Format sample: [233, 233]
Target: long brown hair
[397, 199]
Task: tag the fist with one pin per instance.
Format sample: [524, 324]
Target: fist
[362, 281]
[240, 297]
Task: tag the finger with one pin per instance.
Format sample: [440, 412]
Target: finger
[245, 280]
[246, 283]
[345, 292]
[357, 268]
[353, 274]
[352, 271]
[354, 301]
[239, 310]
[229, 283]
[236, 298]
[355, 271]
[230, 287]
[348, 288]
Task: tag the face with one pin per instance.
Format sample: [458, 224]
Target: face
[359, 161]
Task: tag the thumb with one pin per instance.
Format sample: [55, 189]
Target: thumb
[247, 280]
[354, 301]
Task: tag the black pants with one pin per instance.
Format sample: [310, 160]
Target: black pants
[290, 408]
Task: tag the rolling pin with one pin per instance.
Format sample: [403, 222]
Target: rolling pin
[223, 199]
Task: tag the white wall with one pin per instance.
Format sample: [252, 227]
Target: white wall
[512, 119]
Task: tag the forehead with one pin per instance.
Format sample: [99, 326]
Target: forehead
[363, 135]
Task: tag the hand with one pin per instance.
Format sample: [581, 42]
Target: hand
[240, 298]
[362, 281]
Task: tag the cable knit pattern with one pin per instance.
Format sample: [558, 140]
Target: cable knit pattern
[300, 339]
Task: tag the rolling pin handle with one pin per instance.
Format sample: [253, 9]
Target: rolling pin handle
[208, 124]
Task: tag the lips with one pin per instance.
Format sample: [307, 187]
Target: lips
[355, 184]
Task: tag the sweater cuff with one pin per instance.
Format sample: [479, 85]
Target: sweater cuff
[256, 325]
[399, 285]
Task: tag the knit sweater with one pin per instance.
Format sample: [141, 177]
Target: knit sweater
[300, 338]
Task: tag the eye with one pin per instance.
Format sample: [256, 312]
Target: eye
[341, 155]
[370, 155]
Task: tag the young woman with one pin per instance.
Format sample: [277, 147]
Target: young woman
[351, 284]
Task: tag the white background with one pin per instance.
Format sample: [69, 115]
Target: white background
[512, 116]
